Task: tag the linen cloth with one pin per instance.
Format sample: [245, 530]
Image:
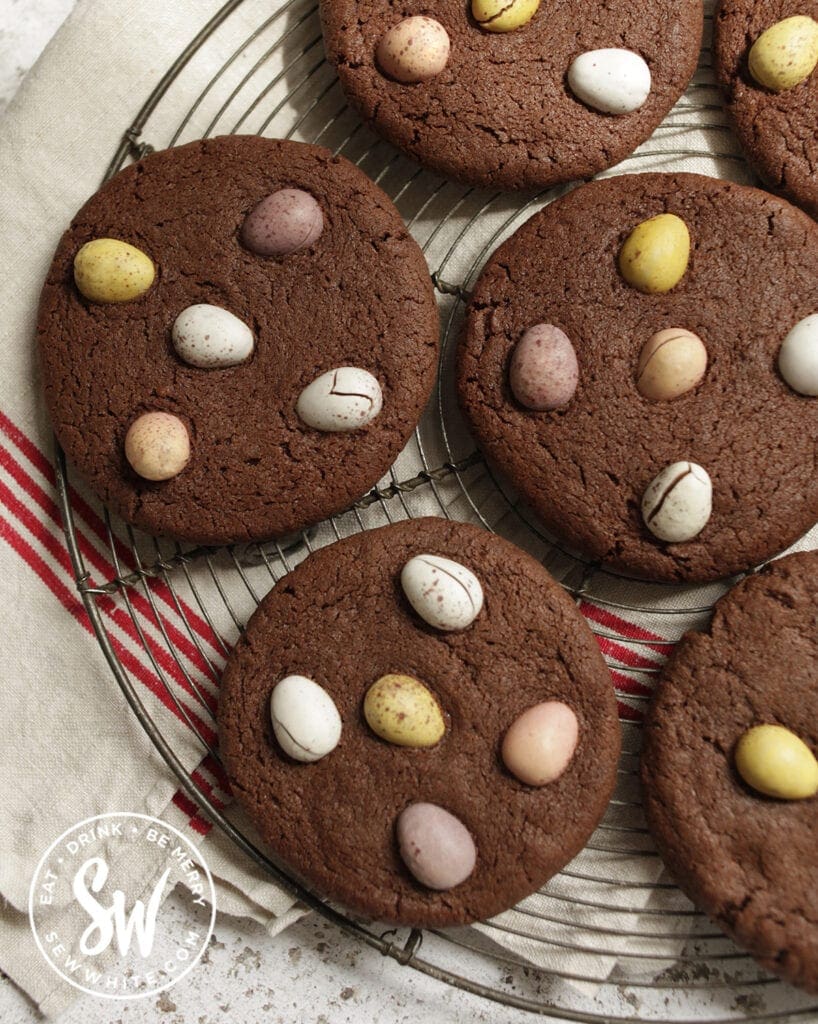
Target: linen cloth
[72, 748]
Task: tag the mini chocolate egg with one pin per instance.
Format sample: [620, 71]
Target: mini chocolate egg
[777, 763]
[401, 710]
[655, 255]
[436, 846]
[678, 502]
[540, 743]
[444, 593]
[611, 81]
[107, 270]
[282, 223]
[157, 446]
[340, 400]
[786, 54]
[798, 357]
[305, 719]
[672, 362]
[211, 337]
[414, 50]
[503, 15]
[544, 373]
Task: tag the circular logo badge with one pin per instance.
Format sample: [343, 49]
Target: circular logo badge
[98, 912]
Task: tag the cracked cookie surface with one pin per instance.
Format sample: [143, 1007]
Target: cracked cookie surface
[776, 130]
[500, 114]
[360, 296]
[753, 274]
[748, 861]
[341, 618]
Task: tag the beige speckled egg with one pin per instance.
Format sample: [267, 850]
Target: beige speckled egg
[107, 270]
[401, 710]
[157, 446]
[671, 363]
[415, 50]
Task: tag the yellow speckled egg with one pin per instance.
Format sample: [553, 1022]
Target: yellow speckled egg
[655, 255]
[502, 15]
[401, 710]
[786, 54]
[107, 270]
[778, 763]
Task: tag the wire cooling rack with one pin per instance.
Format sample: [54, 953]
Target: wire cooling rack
[611, 938]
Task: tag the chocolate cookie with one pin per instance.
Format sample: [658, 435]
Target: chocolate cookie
[747, 860]
[776, 128]
[343, 620]
[356, 293]
[503, 111]
[586, 467]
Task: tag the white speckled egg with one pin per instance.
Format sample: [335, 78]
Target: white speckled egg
[347, 398]
[611, 81]
[444, 593]
[211, 337]
[305, 719]
[678, 502]
[798, 357]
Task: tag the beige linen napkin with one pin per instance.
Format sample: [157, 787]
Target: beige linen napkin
[72, 746]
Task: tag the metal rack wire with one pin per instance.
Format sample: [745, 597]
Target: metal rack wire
[610, 939]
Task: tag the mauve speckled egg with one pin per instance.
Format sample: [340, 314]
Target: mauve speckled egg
[282, 223]
[544, 372]
[415, 50]
[444, 593]
[305, 719]
[540, 743]
[211, 337]
[436, 846]
[340, 400]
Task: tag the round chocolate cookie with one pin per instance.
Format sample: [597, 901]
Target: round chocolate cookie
[503, 111]
[776, 128]
[746, 859]
[354, 292]
[343, 620]
[586, 466]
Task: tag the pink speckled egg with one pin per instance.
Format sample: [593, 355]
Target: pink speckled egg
[544, 370]
[436, 846]
[284, 222]
[541, 742]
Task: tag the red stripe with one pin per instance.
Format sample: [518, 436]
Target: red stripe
[186, 806]
[72, 603]
[630, 685]
[629, 713]
[632, 658]
[97, 525]
[39, 531]
[97, 561]
[210, 764]
[620, 625]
